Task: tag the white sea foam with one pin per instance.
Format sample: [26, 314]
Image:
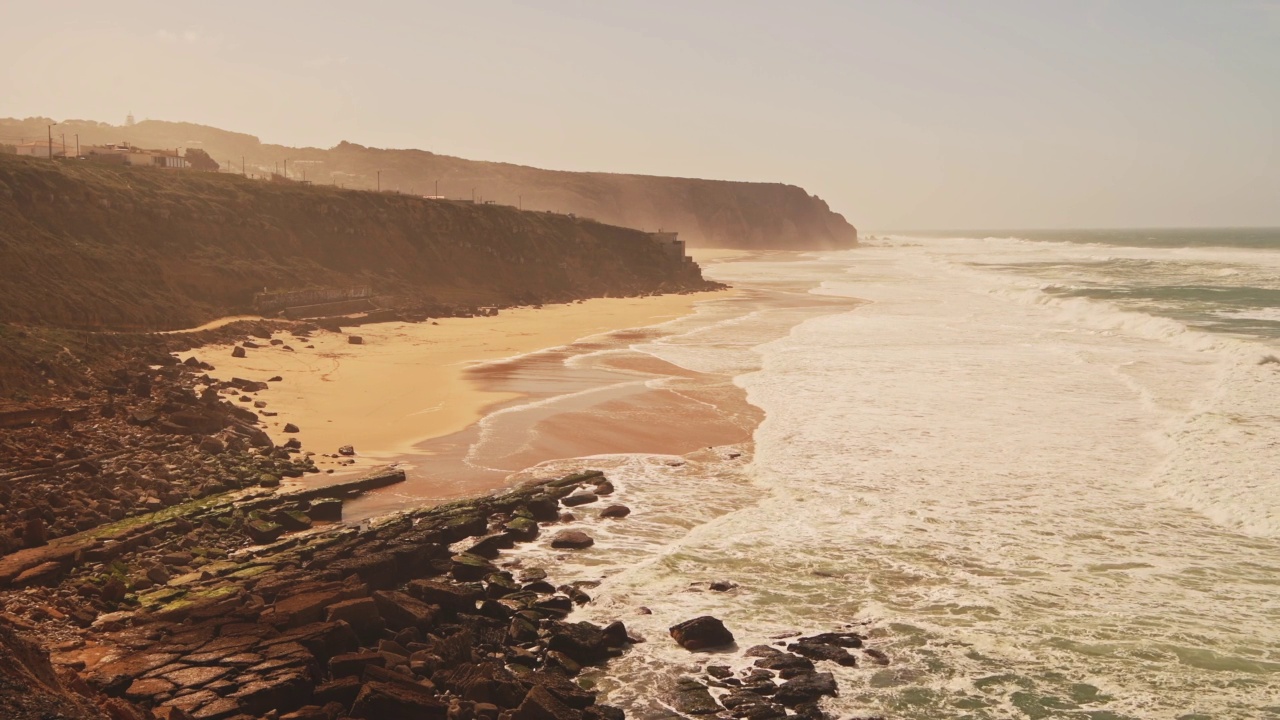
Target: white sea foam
[1044, 506]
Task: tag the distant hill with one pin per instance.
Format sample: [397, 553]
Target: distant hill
[86, 245]
[706, 213]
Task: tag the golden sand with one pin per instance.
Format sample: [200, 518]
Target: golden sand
[406, 382]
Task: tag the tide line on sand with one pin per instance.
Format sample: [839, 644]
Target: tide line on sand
[375, 395]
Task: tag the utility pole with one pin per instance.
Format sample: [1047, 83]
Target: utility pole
[286, 168]
[64, 145]
[437, 188]
[51, 140]
[77, 144]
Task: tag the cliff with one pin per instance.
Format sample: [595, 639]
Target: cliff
[92, 246]
[707, 213]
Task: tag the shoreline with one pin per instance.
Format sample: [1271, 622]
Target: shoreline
[271, 593]
[405, 383]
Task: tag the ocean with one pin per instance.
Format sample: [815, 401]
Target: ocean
[1039, 471]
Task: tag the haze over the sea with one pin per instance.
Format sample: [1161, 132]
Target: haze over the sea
[922, 114]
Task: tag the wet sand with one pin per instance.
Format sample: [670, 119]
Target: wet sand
[466, 404]
[407, 381]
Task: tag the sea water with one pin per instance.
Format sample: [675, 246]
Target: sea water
[1040, 473]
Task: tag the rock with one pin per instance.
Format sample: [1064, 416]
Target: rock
[158, 575]
[237, 352]
[379, 570]
[353, 664]
[615, 634]
[146, 688]
[719, 672]
[346, 450]
[544, 508]
[454, 598]
[604, 488]
[282, 693]
[467, 567]
[583, 642]
[572, 539]
[291, 428]
[723, 586]
[341, 690]
[325, 509]
[398, 701]
[693, 698]
[805, 688]
[194, 677]
[360, 613]
[402, 611]
[114, 590]
[212, 446]
[817, 650]
[786, 664]
[701, 633]
[292, 520]
[876, 656]
[615, 511]
[540, 704]
[522, 529]
[492, 546]
[355, 340]
[263, 532]
[34, 534]
[267, 480]
[581, 497]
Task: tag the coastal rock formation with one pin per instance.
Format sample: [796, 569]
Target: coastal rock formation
[708, 213]
[355, 623]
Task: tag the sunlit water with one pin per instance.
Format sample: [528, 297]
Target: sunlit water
[1046, 485]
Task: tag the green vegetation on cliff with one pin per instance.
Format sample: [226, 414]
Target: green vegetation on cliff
[92, 246]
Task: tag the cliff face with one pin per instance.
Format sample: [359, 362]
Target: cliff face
[84, 245]
[708, 213]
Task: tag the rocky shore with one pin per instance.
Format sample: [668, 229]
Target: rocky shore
[158, 560]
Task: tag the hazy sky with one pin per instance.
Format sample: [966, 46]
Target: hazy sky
[948, 114]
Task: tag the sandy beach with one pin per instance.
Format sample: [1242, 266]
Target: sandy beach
[406, 382]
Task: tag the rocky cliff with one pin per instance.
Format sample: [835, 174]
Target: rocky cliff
[91, 246]
[707, 213]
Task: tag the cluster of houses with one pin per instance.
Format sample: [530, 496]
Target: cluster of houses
[119, 154]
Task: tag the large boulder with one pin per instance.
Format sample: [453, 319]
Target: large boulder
[572, 540]
[583, 642]
[701, 633]
[805, 688]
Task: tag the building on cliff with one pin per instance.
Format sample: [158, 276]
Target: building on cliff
[671, 244]
[40, 148]
[126, 154]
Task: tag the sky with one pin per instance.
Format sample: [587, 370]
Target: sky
[903, 114]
